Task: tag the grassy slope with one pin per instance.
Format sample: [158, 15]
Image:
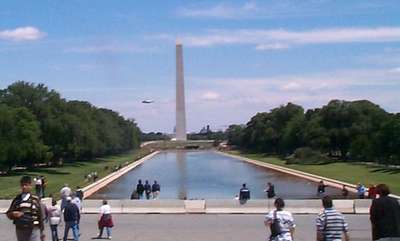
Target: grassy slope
[347, 172]
[71, 173]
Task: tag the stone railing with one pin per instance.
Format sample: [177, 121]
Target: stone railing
[217, 206]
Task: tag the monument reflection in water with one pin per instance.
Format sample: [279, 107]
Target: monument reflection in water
[207, 175]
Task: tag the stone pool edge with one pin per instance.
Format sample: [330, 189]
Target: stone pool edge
[308, 176]
[96, 186]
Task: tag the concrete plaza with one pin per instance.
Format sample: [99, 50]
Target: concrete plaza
[192, 227]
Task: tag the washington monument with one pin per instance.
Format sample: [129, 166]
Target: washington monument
[180, 96]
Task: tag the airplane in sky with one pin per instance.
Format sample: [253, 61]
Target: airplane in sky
[147, 101]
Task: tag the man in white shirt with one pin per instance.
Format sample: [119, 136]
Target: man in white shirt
[280, 222]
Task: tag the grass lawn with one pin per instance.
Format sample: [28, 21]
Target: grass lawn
[347, 172]
[71, 173]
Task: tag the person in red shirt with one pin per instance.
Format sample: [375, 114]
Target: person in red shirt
[372, 191]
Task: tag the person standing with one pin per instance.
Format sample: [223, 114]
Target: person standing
[27, 213]
[54, 218]
[345, 192]
[38, 186]
[64, 192]
[140, 188]
[385, 216]
[44, 185]
[331, 223]
[105, 220]
[79, 193]
[372, 191]
[280, 223]
[270, 190]
[361, 191]
[155, 190]
[244, 194]
[71, 217]
[321, 188]
[147, 189]
[95, 176]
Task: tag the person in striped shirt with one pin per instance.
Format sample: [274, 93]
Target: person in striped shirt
[331, 223]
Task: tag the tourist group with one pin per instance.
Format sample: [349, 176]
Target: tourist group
[29, 215]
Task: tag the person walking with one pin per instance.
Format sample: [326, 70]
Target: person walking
[280, 223]
[71, 217]
[105, 220]
[54, 218]
[140, 188]
[27, 213]
[155, 190]
[244, 194]
[75, 200]
[385, 216]
[331, 223]
[270, 190]
[147, 189]
[64, 192]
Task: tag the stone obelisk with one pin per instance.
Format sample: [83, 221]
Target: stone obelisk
[180, 95]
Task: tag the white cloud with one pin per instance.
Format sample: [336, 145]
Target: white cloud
[395, 70]
[278, 9]
[273, 46]
[91, 49]
[235, 100]
[269, 38]
[310, 90]
[221, 10]
[210, 95]
[291, 86]
[22, 34]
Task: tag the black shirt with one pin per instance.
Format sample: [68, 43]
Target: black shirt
[147, 188]
[71, 212]
[271, 191]
[385, 217]
[140, 188]
[244, 193]
[321, 188]
[155, 187]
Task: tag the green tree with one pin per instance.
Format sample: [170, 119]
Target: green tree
[20, 142]
[234, 134]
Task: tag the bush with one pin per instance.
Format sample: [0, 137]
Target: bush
[306, 155]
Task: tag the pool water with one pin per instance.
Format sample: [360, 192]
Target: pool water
[208, 175]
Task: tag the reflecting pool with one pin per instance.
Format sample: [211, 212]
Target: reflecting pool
[208, 175]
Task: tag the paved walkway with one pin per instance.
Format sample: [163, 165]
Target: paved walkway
[184, 227]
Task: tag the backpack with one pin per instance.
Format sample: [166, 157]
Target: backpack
[275, 227]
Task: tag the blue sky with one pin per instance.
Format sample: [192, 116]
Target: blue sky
[241, 57]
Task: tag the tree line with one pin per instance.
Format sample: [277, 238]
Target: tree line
[346, 130]
[37, 126]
